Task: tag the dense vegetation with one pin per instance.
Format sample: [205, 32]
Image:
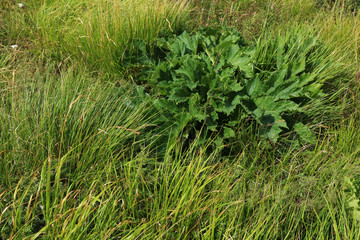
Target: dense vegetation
[153, 119]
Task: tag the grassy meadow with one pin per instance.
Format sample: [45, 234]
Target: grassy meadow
[186, 119]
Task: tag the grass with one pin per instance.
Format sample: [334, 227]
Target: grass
[99, 33]
[78, 152]
[95, 33]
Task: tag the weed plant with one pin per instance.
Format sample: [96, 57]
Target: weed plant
[212, 81]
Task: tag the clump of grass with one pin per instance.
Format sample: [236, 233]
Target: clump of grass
[98, 33]
[48, 116]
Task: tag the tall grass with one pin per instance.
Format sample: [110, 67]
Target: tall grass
[48, 116]
[70, 167]
[77, 158]
[187, 196]
[99, 33]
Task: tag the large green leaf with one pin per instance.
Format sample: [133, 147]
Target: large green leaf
[298, 67]
[305, 133]
[196, 109]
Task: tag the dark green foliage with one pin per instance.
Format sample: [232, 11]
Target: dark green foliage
[212, 81]
[288, 75]
[200, 82]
